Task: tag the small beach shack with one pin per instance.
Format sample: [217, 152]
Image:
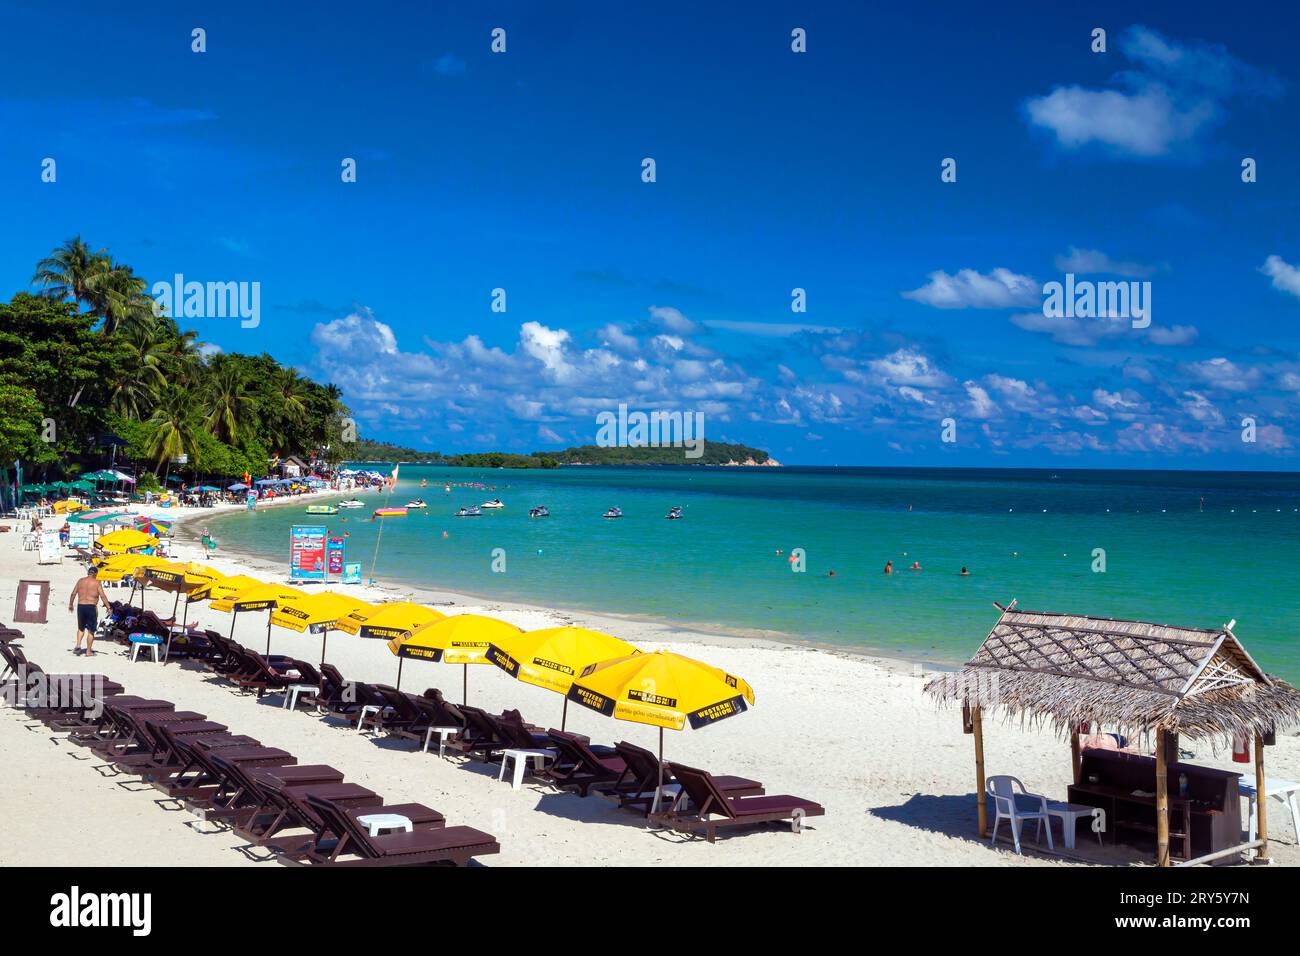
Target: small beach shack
[1071, 671]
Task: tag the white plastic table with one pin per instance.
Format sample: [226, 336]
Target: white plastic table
[443, 734]
[292, 692]
[1284, 790]
[375, 822]
[1071, 813]
[520, 757]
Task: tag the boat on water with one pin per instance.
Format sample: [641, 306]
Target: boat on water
[673, 513]
[614, 513]
[469, 513]
[494, 503]
[322, 510]
[541, 511]
[352, 503]
[417, 503]
[390, 512]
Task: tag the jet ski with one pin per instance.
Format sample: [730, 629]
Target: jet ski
[469, 513]
[352, 503]
[614, 513]
[673, 514]
[539, 512]
[417, 503]
[494, 503]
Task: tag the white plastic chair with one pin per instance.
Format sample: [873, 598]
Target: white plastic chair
[1005, 792]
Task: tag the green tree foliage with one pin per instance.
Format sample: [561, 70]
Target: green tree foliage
[89, 353]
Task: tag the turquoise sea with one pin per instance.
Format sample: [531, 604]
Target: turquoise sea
[1191, 548]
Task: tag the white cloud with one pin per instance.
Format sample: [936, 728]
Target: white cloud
[981, 405]
[1285, 276]
[1174, 93]
[969, 289]
[1090, 261]
[673, 320]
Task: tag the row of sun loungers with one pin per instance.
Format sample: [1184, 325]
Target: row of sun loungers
[302, 814]
[697, 801]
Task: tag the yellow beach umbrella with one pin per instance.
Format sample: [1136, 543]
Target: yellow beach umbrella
[182, 579]
[459, 639]
[128, 539]
[388, 620]
[318, 613]
[258, 597]
[662, 689]
[552, 657]
[67, 506]
[119, 567]
[223, 587]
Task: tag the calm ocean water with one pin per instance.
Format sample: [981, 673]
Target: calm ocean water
[1191, 548]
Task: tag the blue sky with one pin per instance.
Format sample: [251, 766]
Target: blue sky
[775, 171]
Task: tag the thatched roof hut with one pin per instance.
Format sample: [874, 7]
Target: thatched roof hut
[1069, 669]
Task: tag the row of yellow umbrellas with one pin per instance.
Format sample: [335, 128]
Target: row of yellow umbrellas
[593, 669]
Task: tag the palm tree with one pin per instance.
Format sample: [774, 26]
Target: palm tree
[175, 424]
[229, 400]
[120, 296]
[69, 272]
[145, 372]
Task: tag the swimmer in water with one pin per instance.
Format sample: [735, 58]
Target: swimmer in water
[964, 572]
[830, 574]
[889, 567]
[916, 566]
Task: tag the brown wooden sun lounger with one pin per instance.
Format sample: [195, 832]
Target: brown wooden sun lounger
[635, 788]
[578, 766]
[193, 778]
[712, 809]
[355, 847]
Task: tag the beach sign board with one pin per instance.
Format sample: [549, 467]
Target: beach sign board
[307, 553]
[335, 551]
[352, 572]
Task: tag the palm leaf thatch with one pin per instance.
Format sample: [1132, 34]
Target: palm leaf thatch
[1068, 669]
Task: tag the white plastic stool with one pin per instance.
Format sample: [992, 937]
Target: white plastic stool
[152, 643]
[520, 758]
[292, 692]
[443, 734]
[1284, 790]
[375, 822]
[365, 712]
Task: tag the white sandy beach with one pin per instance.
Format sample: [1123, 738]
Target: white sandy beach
[895, 775]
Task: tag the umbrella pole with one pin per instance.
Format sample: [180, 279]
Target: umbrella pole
[269, 612]
[399, 672]
[660, 786]
[234, 616]
[175, 604]
[464, 690]
[564, 714]
[325, 638]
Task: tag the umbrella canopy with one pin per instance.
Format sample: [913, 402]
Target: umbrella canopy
[153, 526]
[94, 517]
[66, 506]
[259, 597]
[104, 475]
[238, 486]
[459, 639]
[183, 577]
[388, 620]
[554, 656]
[128, 539]
[81, 484]
[315, 612]
[206, 488]
[120, 566]
[662, 689]
[318, 613]
[223, 587]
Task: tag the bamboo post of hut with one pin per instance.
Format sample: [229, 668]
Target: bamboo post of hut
[1162, 800]
[1144, 679]
[1261, 802]
[978, 724]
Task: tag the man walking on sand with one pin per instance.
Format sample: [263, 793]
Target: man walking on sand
[86, 593]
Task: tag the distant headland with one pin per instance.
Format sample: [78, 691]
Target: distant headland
[718, 454]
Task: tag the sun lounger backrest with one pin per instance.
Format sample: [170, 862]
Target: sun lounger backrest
[643, 765]
[307, 673]
[704, 793]
[351, 834]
